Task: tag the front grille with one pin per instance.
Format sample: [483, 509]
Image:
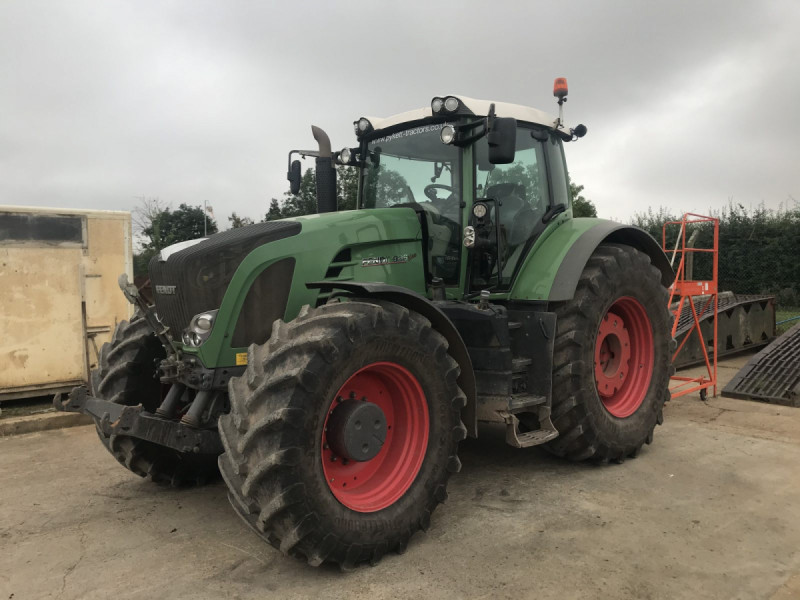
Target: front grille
[265, 302]
[201, 273]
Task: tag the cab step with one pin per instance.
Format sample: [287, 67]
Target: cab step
[519, 365]
[525, 403]
[526, 439]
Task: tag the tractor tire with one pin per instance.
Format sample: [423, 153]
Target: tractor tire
[127, 374]
[612, 358]
[292, 478]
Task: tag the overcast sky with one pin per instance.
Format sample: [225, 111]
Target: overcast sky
[688, 104]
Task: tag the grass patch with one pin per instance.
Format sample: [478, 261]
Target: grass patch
[783, 313]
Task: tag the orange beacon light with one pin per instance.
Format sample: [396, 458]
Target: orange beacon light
[560, 87]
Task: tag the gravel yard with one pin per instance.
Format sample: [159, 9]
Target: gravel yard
[710, 510]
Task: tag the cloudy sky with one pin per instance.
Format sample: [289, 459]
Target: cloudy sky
[688, 104]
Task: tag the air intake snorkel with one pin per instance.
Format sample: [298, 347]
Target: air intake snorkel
[326, 173]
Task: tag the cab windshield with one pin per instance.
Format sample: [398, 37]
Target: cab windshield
[413, 167]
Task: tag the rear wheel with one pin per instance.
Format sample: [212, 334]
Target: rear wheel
[343, 432]
[612, 359]
[127, 374]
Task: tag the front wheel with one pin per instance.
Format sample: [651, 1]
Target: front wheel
[127, 374]
[343, 432]
[612, 358]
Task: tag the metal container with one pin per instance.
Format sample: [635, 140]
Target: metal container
[59, 299]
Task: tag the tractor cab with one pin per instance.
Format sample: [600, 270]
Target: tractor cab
[482, 176]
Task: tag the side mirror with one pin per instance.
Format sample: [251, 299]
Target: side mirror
[502, 139]
[294, 177]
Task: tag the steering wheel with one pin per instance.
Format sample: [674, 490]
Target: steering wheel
[430, 190]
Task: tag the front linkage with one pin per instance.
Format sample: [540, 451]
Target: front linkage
[159, 426]
[134, 421]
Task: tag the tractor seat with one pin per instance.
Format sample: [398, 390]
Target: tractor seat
[516, 214]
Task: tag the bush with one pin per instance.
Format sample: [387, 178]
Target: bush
[759, 249]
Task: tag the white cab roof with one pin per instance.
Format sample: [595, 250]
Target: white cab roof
[479, 107]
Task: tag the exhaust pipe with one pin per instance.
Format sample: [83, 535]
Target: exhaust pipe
[326, 173]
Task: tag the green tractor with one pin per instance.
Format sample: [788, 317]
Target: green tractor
[329, 365]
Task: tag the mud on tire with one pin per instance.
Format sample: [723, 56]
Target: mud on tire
[614, 275]
[127, 375]
[274, 433]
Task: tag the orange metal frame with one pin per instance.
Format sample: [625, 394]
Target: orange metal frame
[686, 290]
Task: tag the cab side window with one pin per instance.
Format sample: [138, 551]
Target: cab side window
[558, 171]
[520, 191]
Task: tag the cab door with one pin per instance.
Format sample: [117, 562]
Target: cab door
[518, 197]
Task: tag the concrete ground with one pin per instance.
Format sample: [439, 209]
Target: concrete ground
[710, 510]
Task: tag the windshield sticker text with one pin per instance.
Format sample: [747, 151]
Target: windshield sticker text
[409, 132]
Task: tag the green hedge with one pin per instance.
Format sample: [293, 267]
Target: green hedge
[759, 249]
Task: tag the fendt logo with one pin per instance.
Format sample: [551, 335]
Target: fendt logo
[166, 290]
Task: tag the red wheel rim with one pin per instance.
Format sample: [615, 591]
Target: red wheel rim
[624, 357]
[375, 484]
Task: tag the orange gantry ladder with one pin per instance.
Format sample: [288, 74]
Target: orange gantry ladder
[689, 294]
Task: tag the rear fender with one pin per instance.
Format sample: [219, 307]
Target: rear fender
[551, 271]
[439, 321]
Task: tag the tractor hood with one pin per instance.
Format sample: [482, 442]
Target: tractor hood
[257, 273]
[191, 277]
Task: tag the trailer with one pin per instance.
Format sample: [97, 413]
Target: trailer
[59, 300]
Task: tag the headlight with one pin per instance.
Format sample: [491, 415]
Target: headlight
[345, 155]
[469, 236]
[436, 104]
[451, 104]
[480, 210]
[448, 134]
[199, 328]
[204, 321]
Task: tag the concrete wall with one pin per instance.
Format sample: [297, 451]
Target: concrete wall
[59, 299]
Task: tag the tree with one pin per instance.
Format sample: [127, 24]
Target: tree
[305, 202]
[141, 261]
[758, 248]
[518, 173]
[347, 187]
[388, 185]
[172, 226]
[236, 221]
[146, 217]
[581, 206]
[652, 221]
[146, 213]
[528, 177]
[162, 227]
[274, 212]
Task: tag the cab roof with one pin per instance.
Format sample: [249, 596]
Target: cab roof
[479, 108]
